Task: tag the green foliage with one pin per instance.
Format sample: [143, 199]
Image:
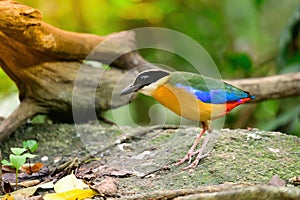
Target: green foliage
[19, 155]
[17, 161]
[7, 86]
[31, 145]
[6, 162]
[239, 63]
[17, 151]
[289, 56]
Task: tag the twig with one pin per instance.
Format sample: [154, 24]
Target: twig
[162, 168]
[67, 166]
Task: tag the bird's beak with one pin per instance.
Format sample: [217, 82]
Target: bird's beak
[130, 89]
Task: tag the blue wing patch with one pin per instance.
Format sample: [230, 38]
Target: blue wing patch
[215, 96]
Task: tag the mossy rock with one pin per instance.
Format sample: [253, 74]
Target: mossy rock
[237, 156]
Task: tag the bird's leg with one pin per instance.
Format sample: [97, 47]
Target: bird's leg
[200, 153]
[191, 152]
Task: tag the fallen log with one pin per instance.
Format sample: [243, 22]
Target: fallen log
[45, 62]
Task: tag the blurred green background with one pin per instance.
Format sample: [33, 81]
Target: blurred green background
[249, 38]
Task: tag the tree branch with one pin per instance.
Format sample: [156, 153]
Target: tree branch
[24, 111]
[272, 87]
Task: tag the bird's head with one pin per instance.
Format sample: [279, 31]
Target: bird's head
[146, 78]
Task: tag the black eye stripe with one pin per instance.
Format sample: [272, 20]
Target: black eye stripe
[148, 77]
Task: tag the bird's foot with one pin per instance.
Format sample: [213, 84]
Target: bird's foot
[196, 161]
[191, 152]
[188, 157]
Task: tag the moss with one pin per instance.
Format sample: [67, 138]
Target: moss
[162, 137]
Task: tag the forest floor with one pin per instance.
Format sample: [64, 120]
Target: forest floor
[144, 164]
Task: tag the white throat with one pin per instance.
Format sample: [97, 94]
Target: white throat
[148, 90]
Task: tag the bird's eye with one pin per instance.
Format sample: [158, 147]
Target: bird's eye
[144, 78]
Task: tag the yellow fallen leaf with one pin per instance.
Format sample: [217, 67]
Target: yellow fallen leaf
[76, 194]
[21, 194]
[8, 197]
[69, 182]
[26, 192]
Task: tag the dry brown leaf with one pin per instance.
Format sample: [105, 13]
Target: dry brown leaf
[32, 168]
[9, 177]
[107, 187]
[30, 183]
[39, 197]
[7, 169]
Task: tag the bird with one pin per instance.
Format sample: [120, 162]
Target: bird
[192, 96]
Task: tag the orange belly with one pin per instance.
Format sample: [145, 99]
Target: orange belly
[187, 105]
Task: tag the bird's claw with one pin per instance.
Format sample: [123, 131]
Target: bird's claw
[188, 156]
[192, 165]
[196, 161]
